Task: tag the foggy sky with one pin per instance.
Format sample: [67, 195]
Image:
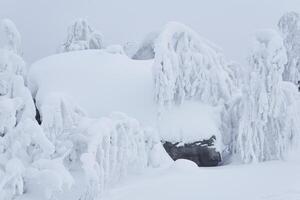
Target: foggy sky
[228, 23]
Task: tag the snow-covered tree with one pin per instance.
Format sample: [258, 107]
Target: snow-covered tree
[267, 113]
[187, 66]
[289, 27]
[12, 36]
[82, 36]
[22, 140]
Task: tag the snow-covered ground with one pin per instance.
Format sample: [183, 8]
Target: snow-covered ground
[275, 180]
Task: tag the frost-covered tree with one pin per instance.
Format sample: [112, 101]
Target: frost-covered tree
[82, 36]
[22, 140]
[267, 113]
[289, 27]
[187, 66]
[12, 36]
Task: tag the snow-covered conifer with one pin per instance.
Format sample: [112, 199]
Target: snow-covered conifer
[187, 66]
[82, 36]
[268, 123]
[289, 27]
[12, 36]
[22, 140]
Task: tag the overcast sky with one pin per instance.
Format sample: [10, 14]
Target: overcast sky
[228, 23]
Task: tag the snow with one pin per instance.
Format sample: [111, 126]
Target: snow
[187, 66]
[276, 180]
[202, 124]
[268, 124]
[103, 117]
[115, 83]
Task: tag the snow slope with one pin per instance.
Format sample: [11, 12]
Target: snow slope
[101, 82]
[274, 180]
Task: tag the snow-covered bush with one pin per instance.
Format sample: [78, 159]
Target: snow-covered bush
[289, 27]
[187, 66]
[268, 123]
[115, 147]
[82, 36]
[105, 149]
[58, 115]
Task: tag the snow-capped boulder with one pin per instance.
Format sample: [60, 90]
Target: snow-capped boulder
[203, 153]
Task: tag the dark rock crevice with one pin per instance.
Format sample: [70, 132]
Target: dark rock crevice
[37, 113]
[203, 153]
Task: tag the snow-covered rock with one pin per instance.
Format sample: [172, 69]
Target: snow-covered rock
[146, 51]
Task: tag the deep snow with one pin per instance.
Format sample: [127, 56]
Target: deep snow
[276, 180]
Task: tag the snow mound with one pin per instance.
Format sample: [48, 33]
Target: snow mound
[98, 81]
[95, 83]
[183, 164]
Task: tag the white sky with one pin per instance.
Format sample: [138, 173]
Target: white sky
[228, 23]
